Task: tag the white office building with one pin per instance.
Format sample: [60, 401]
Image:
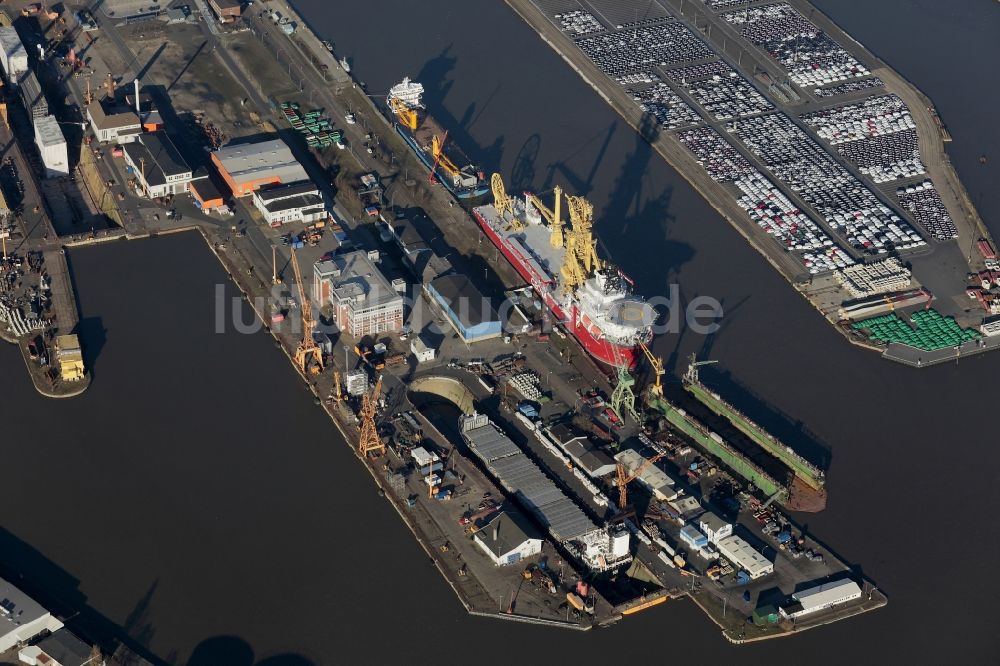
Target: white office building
[21, 617]
[13, 56]
[745, 557]
[52, 146]
[508, 539]
[821, 597]
[290, 202]
[715, 528]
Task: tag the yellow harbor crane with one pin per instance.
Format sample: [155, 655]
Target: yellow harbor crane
[442, 160]
[624, 478]
[369, 442]
[308, 356]
[553, 217]
[656, 364]
[503, 203]
[406, 116]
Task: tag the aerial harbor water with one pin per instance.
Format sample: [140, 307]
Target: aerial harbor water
[196, 499]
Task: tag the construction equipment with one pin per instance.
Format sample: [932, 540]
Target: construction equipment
[554, 218]
[338, 393]
[623, 398]
[437, 151]
[657, 365]
[624, 478]
[407, 117]
[308, 356]
[274, 264]
[369, 442]
[692, 372]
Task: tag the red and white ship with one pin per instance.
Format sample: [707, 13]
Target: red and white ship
[590, 298]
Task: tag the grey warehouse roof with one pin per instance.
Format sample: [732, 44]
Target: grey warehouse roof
[253, 161]
[522, 478]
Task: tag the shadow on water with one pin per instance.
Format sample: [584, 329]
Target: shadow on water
[59, 592]
[791, 431]
[93, 336]
[522, 175]
[433, 75]
[234, 651]
[631, 214]
[580, 185]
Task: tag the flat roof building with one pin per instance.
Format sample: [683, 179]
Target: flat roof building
[157, 165]
[300, 201]
[62, 648]
[21, 617]
[247, 166]
[13, 56]
[52, 147]
[471, 314]
[70, 357]
[362, 300]
[593, 461]
[226, 10]
[715, 528]
[508, 539]
[745, 556]
[32, 95]
[652, 477]
[112, 122]
[821, 597]
[207, 195]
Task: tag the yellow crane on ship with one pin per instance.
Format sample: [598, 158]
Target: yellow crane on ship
[442, 160]
[308, 356]
[553, 217]
[369, 441]
[407, 117]
[624, 478]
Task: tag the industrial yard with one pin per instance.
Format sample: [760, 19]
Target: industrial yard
[816, 151]
[545, 487]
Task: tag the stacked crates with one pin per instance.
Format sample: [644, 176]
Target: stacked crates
[930, 330]
[315, 128]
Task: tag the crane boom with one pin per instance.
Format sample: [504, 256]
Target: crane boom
[624, 478]
[554, 218]
[369, 440]
[657, 365]
[307, 350]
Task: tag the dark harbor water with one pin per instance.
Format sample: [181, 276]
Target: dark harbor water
[196, 498]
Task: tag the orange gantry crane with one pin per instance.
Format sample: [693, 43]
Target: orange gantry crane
[308, 356]
[624, 478]
[369, 442]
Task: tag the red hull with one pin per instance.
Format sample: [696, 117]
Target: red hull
[601, 350]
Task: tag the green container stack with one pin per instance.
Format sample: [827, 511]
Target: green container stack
[930, 330]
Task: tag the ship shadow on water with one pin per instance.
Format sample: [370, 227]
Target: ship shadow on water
[434, 76]
[634, 217]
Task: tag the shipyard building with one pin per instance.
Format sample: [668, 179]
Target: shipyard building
[32, 96]
[52, 147]
[112, 122]
[21, 617]
[361, 298]
[470, 313]
[290, 202]
[821, 597]
[246, 167]
[652, 477]
[13, 56]
[598, 548]
[508, 539]
[157, 165]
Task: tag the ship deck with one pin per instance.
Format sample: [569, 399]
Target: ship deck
[534, 237]
[427, 129]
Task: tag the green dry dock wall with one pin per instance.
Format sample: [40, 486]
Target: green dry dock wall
[772, 446]
[730, 458]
